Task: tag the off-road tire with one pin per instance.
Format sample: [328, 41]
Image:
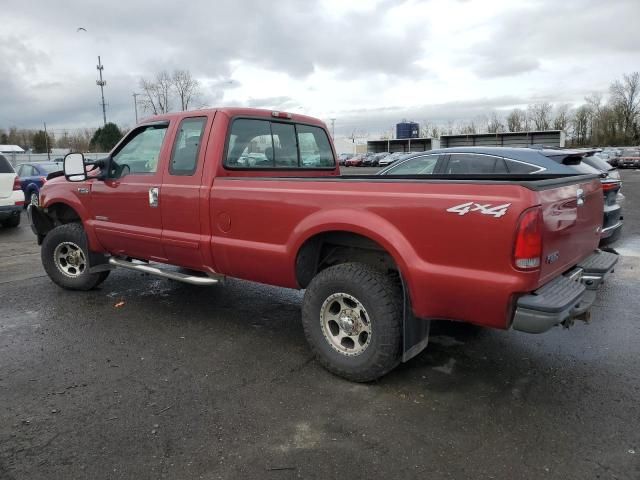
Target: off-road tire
[70, 232]
[381, 296]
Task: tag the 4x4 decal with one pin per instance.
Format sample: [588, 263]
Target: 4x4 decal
[485, 209]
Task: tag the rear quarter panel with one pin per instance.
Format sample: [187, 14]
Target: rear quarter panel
[456, 266]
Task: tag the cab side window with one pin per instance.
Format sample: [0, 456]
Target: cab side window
[186, 149]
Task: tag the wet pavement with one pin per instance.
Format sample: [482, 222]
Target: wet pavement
[189, 382]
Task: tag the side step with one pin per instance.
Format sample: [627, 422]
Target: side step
[180, 277]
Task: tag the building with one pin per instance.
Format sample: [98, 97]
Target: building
[402, 145]
[10, 149]
[406, 129]
[547, 138]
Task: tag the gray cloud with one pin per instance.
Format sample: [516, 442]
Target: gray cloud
[47, 70]
[546, 29]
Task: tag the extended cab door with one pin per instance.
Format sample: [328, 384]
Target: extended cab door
[125, 206]
[183, 197]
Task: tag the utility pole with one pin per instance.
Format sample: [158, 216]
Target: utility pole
[101, 83]
[46, 141]
[135, 104]
[333, 128]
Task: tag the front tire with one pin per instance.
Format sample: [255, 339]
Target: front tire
[352, 319]
[65, 257]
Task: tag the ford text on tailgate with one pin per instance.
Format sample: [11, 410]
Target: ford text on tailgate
[257, 195]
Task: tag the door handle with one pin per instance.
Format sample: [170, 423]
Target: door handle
[153, 197]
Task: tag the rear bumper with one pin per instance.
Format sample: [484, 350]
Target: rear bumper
[565, 298]
[8, 211]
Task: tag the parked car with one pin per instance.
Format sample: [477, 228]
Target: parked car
[378, 257]
[355, 161]
[503, 160]
[33, 176]
[389, 159]
[374, 160]
[11, 196]
[629, 159]
[343, 157]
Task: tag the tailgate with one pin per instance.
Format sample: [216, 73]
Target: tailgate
[572, 218]
[6, 184]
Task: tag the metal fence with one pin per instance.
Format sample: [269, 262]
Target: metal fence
[20, 158]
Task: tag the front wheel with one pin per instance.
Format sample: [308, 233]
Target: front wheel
[65, 257]
[352, 319]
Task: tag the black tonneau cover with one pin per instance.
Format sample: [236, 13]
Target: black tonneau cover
[532, 182]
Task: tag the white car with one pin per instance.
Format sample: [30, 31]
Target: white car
[11, 195]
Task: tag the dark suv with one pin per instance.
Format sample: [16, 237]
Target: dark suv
[492, 160]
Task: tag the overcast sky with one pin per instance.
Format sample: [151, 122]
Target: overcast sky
[367, 63]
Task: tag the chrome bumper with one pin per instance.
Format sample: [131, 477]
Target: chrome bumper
[565, 298]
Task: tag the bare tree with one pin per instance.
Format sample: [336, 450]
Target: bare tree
[516, 120]
[625, 96]
[494, 124]
[469, 128]
[580, 124]
[185, 86]
[561, 118]
[156, 96]
[540, 114]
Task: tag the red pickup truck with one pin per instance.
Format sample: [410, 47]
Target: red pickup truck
[258, 195]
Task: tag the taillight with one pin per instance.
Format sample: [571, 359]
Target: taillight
[43, 180]
[528, 246]
[16, 184]
[609, 186]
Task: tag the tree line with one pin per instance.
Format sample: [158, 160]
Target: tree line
[601, 120]
[79, 140]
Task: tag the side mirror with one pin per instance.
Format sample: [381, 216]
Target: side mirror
[74, 168]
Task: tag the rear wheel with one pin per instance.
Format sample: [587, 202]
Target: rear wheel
[65, 257]
[34, 199]
[352, 318]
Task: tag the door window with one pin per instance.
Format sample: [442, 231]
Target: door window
[423, 165]
[519, 167]
[140, 154]
[469, 163]
[184, 158]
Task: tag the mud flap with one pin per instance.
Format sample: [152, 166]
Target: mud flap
[40, 222]
[415, 331]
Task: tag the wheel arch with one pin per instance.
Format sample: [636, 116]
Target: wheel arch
[328, 242]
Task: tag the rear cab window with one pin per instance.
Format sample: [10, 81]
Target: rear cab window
[255, 144]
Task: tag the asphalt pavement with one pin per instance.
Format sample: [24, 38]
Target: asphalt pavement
[146, 378]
